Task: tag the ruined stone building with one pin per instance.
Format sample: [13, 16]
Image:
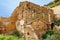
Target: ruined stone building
[30, 19]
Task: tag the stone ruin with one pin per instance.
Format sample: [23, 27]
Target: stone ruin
[30, 19]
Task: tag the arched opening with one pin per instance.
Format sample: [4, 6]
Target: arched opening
[52, 25]
[28, 33]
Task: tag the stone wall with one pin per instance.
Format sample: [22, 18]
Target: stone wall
[30, 19]
[36, 20]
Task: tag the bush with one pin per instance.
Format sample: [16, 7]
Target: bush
[57, 22]
[16, 33]
[48, 32]
[55, 36]
[2, 37]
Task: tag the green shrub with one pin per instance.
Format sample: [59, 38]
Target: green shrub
[48, 32]
[55, 36]
[2, 37]
[57, 22]
[16, 33]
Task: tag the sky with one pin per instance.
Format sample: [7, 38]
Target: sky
[8, 6]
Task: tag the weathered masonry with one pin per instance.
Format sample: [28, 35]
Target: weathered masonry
[33, 20]
[30, 19]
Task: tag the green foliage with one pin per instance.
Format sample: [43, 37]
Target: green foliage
[57, 22]
[54, 36]
[48, 32]
[16, 33]
[56, 0]
[54, 3]
[2, 37]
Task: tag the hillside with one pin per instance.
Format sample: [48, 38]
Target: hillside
[53, 4]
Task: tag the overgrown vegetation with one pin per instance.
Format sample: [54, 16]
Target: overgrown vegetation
[48, 32]
[2, 37]
[54, 36]
[57, 22]
[16, 33]
[54, 3]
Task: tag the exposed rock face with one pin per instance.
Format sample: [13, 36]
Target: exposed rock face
[30, 19]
